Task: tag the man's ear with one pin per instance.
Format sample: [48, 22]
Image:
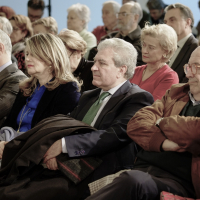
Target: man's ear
[2, 48]
[189, 22]
[136, 17]
[122, 70]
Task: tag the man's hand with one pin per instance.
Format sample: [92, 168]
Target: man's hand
[52, 164]
[53, 151]
[168, 145]
[2, 145]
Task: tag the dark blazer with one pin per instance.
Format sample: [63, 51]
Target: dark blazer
[183, 58]
[9, 87]
[61, 100]
[110, 142]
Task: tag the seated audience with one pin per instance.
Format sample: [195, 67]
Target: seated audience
[109, 12]
[129, 16]
[45, 25]
[51, 88]
[181, 19]
[77, 20]
[168, 132]
[76, 48]
[10, 76]
[35, 9]
[6, 11]
[108, 109]
[22, 29]
[156, 9]
[159, 42]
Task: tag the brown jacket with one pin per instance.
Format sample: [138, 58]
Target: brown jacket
[185, 131]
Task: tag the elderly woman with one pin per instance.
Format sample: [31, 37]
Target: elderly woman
[6, 11]
[76, 48]
[22, 29]
[159, 42]
[51, 88]
[45, 25]
[77, 20]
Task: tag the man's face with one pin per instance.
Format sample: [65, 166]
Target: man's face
[174, 19]
[105, 74]
[194, 80]
[34, 14]
[109, 16]
[125, 22]
[156, 14]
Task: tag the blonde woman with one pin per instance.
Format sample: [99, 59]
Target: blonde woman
[76, 48]
[51, 88]
[22, 29]
[159, 42]
[45, 25]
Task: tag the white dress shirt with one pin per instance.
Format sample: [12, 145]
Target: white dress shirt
[180, 45]
[5, 65]
[103, 104]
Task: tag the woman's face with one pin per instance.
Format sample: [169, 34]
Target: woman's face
[74, 22]
[39, 28]
[74, 59]
[152, 51]
[36, 67]
[17, 35]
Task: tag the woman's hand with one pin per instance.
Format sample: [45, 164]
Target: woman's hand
[2, 146]
[52, 164]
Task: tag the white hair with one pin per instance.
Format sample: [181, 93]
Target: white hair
[124, 54]
[136, 9]
[82, 11]
[6, 25]
[116, 5]
[5, 40]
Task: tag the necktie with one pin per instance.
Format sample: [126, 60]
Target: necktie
[90, 115]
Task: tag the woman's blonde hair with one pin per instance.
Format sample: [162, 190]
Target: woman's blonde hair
[166, 36]
[73, 41]
[51, 50]
[49, 23]
[24, 24]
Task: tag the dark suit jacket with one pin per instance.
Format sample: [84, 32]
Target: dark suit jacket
[9, 87]
[183, 58]
[61, 100]
[110, 142]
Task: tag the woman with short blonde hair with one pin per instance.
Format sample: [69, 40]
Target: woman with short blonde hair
[45, 25]
[159, 42]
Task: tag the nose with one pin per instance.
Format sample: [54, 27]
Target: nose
[94, 67]
[189, 73]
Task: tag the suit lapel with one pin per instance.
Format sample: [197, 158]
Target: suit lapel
[114, 100]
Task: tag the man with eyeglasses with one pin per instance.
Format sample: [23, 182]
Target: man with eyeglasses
[169, 133]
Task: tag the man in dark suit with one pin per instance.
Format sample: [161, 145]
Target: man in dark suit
[181, 19]
[114, 66]
[10, 76]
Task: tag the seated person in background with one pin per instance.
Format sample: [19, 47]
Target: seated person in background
[45, 25]
[109, 12]
[77, 20]
[129, 16]
[159, 42]
[22, 29]
[6, 11]
[169, 133]
[76, 48]
[108, 109]
[51, 88]
[10, 76]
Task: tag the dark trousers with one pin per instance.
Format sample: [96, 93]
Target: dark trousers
[138, 185]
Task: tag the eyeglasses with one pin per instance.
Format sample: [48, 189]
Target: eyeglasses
[193, 68]
[124, 14]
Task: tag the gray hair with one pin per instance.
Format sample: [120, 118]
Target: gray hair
[116, 5]
[6, 25]
[166, 36]
[124, 54]
[82, 11]
[5, 40]
[185, 11]
[136, 9]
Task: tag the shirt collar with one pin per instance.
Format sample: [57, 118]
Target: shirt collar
[5, 65]
[194, 102]
[183, 40]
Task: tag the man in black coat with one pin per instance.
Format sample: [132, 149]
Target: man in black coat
[114, 66]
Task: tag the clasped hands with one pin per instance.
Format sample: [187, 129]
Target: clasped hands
[50, 155]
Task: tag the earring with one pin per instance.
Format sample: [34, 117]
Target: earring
[164, 56]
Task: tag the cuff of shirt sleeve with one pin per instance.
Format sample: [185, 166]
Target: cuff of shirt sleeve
[64, 148]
